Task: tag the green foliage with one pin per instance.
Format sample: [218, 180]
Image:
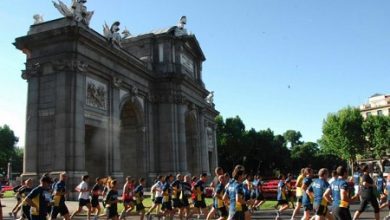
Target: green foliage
[305, 150]
[259, 151]
[343, 134]
[7, 146]
[263, 151]
[293, 137]
[377, 132]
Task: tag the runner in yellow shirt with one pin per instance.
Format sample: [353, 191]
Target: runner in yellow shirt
[298, 192]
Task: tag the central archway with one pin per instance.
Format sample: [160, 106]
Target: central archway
[131, 140]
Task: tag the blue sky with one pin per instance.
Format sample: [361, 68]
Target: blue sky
[330, 53]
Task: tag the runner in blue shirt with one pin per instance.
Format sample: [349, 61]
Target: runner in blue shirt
[236, 194]
[167, 197]
[319, 187]
[306, 200]
[380, 183]
[39, 198]
[338, 195]
[257, 193]
[139, 197]
[388, 194]
[281, 196]
[59, 192]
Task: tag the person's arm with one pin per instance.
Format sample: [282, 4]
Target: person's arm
[366, 184]
[30, 196]
[327, 195]
[240, 196]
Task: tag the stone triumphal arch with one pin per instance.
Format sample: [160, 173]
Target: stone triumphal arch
[115, 104]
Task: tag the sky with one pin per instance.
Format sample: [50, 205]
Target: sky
[278, 64]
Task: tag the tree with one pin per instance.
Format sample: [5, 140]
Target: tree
[230, 135]
[304, 154]
[292, 137]
[7, 146]
[377, 133]
[343, 134]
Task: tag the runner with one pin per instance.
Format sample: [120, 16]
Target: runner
[157, 190]
[39, 198]
[367, 195]
[248, 192]
[380, 183]
[139, 197]
[199, 202]
[356, 180]
[289, 187]
[59, 192]
[235, 194]
[334, 177]
[24, 191]
[111, 201]
[218, 203]
[338, 194]
[306, 201]
[127, 196]
[258, 193]
[281, 196]
[84, 200]
[95, 193]
[176, 192]
[18, 198]
[167, 197]
[318, 188]
[186, 195]
[388, 195]
[298, 193]
[217, 171]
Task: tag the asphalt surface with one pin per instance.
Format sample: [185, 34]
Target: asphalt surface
[9, 203]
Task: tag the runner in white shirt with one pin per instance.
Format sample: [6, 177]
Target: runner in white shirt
[83, 197]
[158, 195]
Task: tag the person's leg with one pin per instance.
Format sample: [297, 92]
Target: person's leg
[211, 213]
[297, 209]
[375, 205]
[76, 212]
[363, 205]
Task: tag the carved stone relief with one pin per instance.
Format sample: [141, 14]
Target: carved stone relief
[96, 94]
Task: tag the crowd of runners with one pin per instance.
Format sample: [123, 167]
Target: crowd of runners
[235, 196]
[329, 197]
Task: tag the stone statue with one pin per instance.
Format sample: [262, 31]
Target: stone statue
[126, 33]
[77, 11]
[182, 22]
[180, 30]
[37, 18]
[210, 98]
[112, 34]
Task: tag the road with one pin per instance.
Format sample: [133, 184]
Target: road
[262, 214]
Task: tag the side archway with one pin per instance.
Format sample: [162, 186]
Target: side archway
[131, 137]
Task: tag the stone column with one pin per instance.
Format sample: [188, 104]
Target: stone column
[150, 142]
[203, 144]
[181, 133]
[30, 162]
[215, 146]
[166, 137]
[114, 162]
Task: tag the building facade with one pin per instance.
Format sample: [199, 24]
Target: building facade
[378, 104]
[138, 107]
